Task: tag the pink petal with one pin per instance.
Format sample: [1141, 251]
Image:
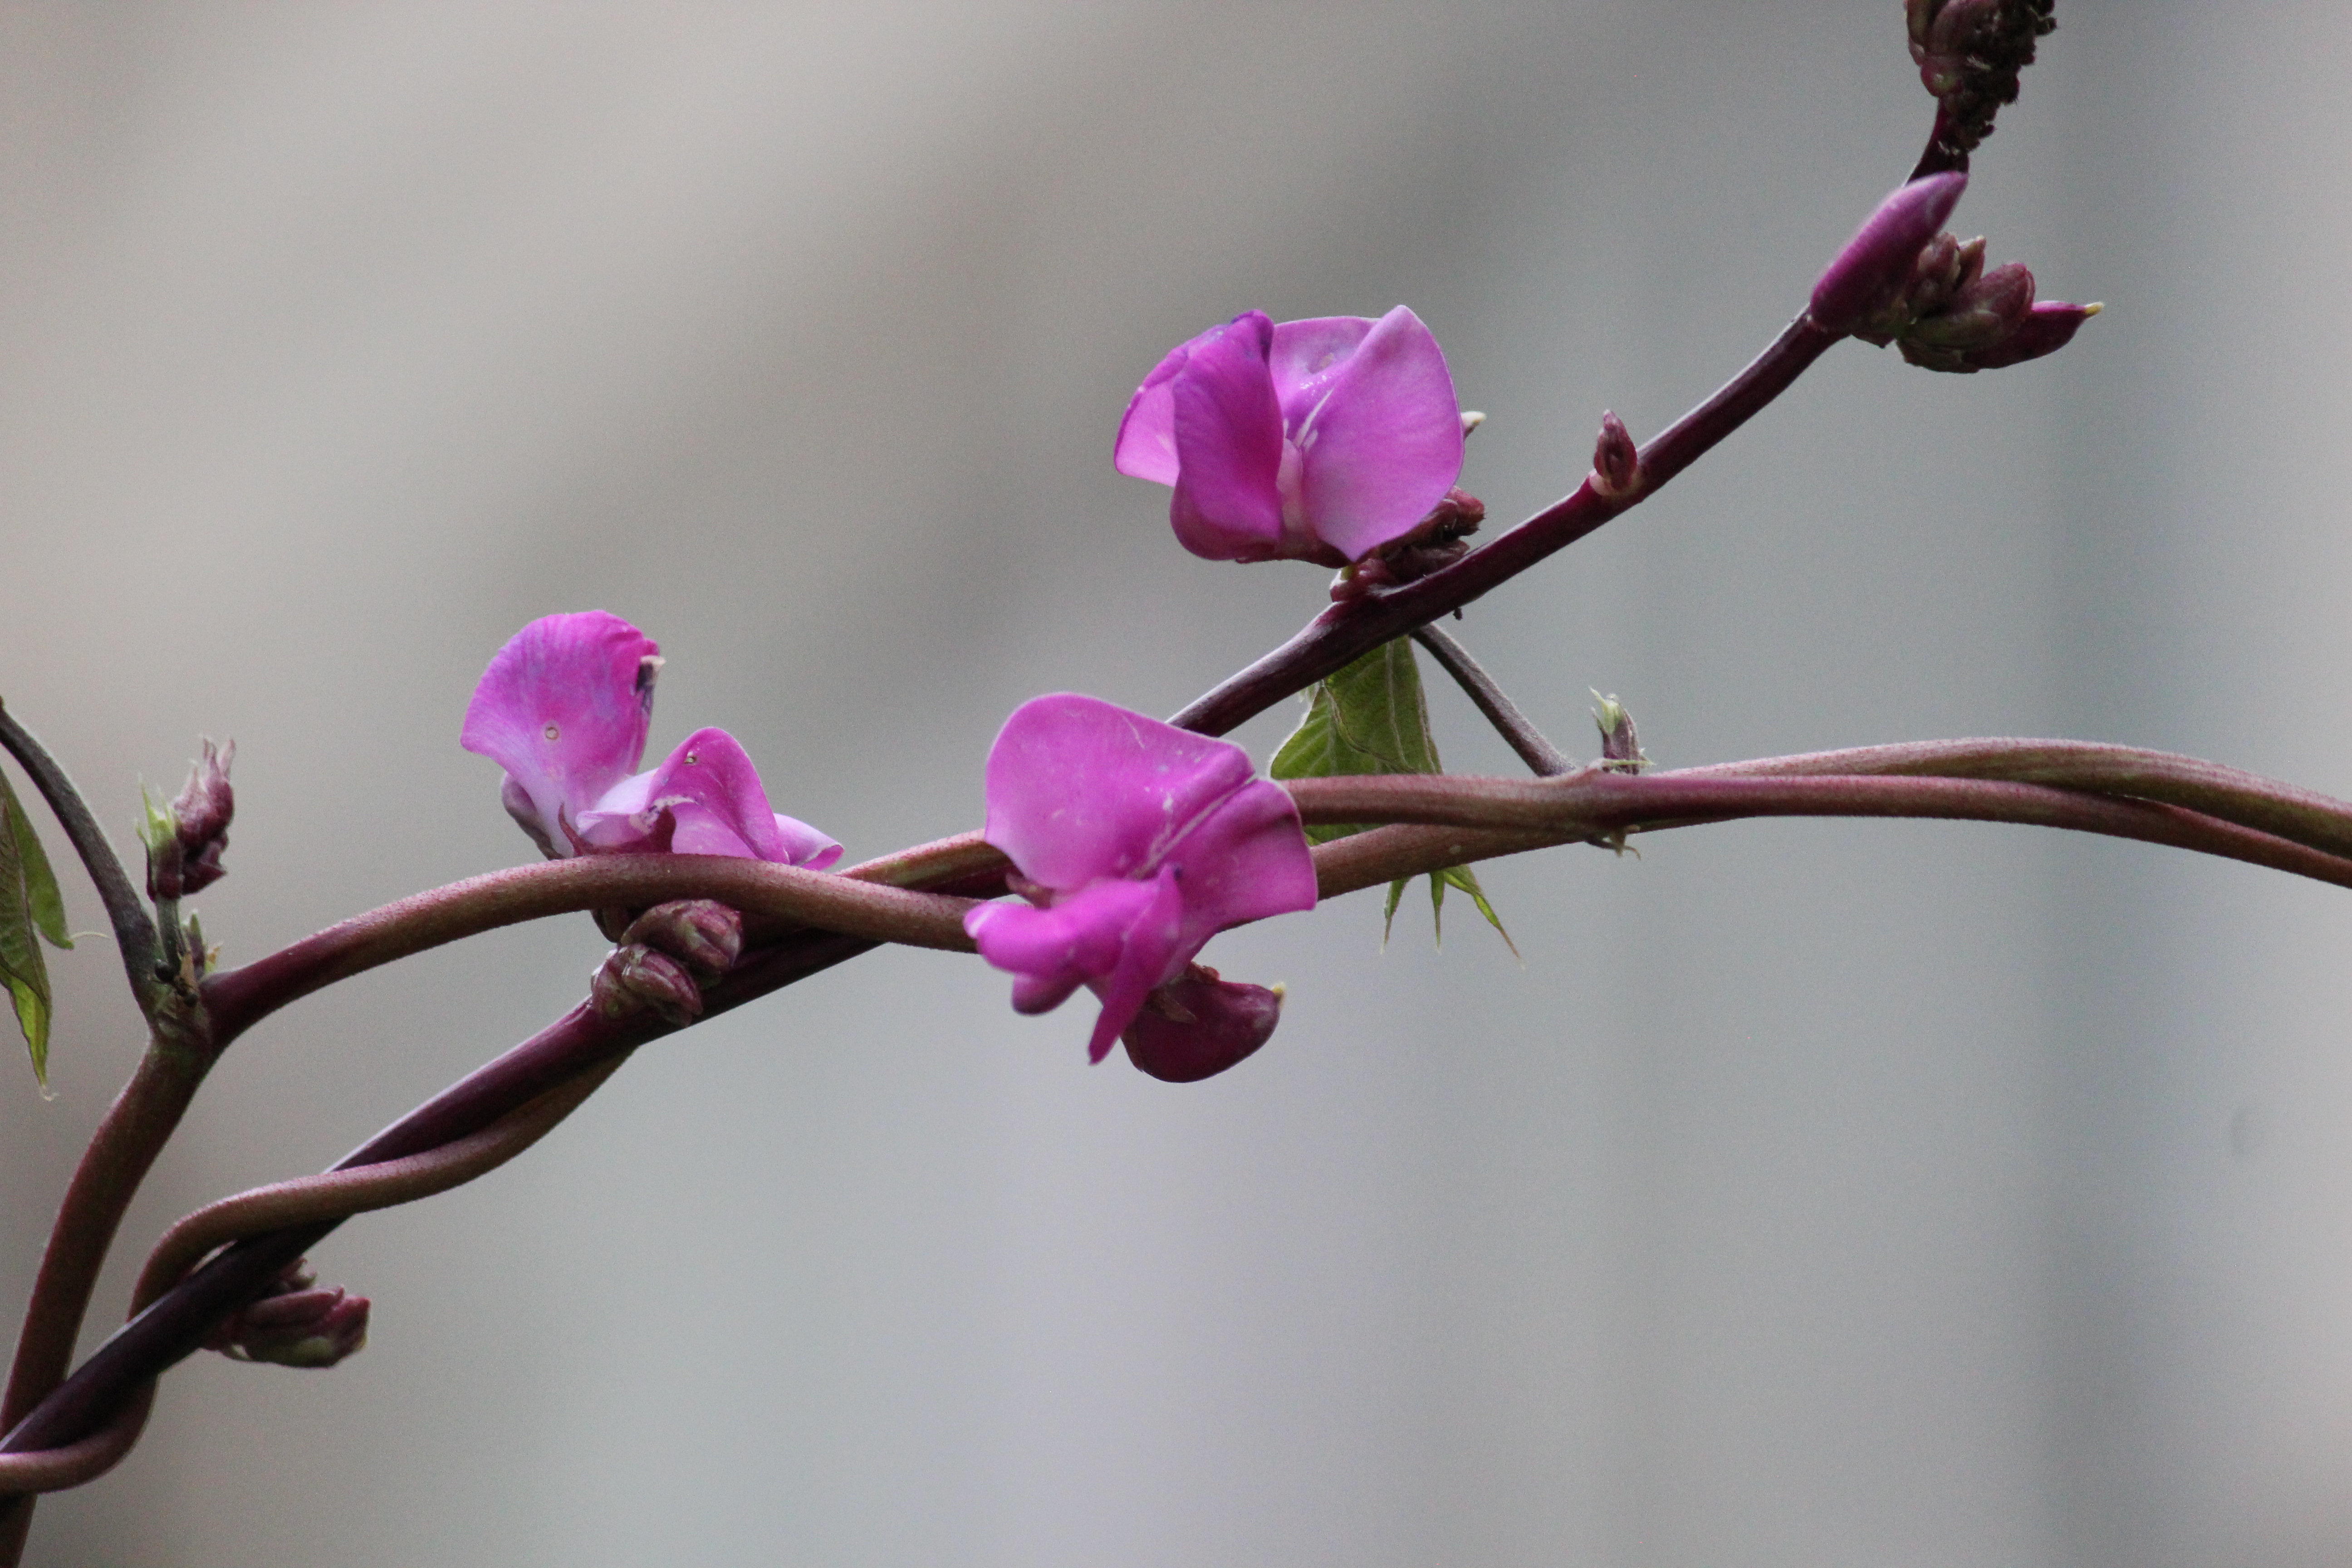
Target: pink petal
[1227, 1021]
[1145, 447]
[1080, 790]
[1152, 956]
[564, 708]
[805, 846]
[1245, 860]
[1304, 356]
[1055, 950]
[1384, 444]
[1228, 433]
[714, 796]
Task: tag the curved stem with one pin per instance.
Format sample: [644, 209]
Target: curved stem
[1544, 759]
[124, 1148]
[784, 895]
[1465, 819]
[1346, 632]
[339, 1193]
[1473, 819]
[134, 933]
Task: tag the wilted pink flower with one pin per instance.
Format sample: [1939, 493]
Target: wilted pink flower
[564, 709]
[1136, 842]
[1197, 1025]
[1317, 440]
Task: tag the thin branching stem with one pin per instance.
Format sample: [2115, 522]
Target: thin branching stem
[1541, 756]
[134, 933]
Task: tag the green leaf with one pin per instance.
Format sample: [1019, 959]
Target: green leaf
[33, 1022]
[21, 967]
[1464, 879]
[1372, 717]
[40, 883]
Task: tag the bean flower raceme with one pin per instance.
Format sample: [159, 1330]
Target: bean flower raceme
[1317, 440]
[1136, 842]
[565, 707]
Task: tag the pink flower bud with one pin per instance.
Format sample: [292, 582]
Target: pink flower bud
[704, 936]
[297, 1324]
[1878, 262]
[203, 810]
[2047, 328]
[637, 979]
[1982, 313]
[1616, 461]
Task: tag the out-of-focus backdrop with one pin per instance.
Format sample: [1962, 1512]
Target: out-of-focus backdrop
[1811, 1195]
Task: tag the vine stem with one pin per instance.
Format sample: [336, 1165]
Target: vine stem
[1544, 759]
[777, 896]
[134, 933]
[1476, 825]
[2110, 789]
[128, 1137]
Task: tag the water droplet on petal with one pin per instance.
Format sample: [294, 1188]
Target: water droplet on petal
[554, 733]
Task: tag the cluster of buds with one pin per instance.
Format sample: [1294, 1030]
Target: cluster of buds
[1951, 314]
[665, 956]
[297, 1324]
[185, 839]
[1902, 281]
[1969, 54]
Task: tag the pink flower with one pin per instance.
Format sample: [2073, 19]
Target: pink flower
[564, 708]
[1319, 440]
[1136, 842]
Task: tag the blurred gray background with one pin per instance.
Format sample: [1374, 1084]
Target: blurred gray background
[1813, 1195]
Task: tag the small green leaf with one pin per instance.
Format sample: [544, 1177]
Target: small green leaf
[1461, 876]
[1387, 915]
[1372, 717]
[33, 1022]
[21, 967]
[40, 883]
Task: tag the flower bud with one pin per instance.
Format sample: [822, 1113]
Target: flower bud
[297, 1324]
[1621, 748]
[1197, 1025]
[1980, 315]
[705, 936]
[637, 979]
[1970, 54]
[1616, 461]
[1990, 321]
[1879, 262]
[2047, 328]
[202, 810]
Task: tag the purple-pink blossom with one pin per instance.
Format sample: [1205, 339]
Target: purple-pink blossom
[566, 709]
[1317, 440]
[1134, 842]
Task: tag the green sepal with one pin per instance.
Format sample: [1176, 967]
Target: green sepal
[1372, 717]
